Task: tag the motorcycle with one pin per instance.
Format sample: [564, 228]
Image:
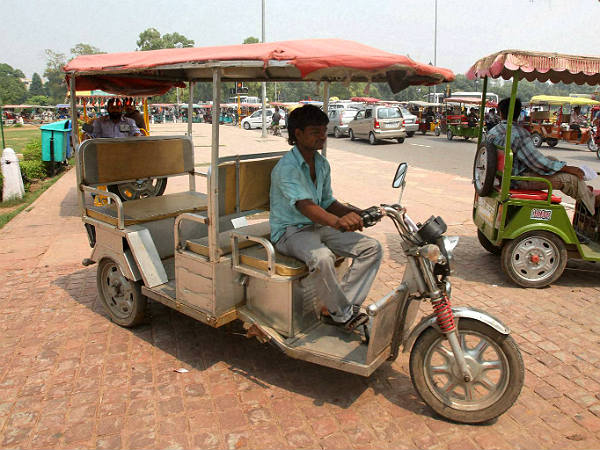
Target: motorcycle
[463, 362]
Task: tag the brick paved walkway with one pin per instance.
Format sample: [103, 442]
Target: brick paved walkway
[69, 378]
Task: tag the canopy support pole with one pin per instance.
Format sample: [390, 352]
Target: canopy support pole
[508, 154]
[482, 111]
[75, 144]
[325, 110]
[190, 112]
[213, 185]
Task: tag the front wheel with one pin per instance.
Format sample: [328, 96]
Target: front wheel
[437, 131]
[537, 139]
[400, 140]
[410, 133]
[552, 142]
[449, 135]
[591, 145]
[147, 187]
[495, 363]
[535, 259]
[351, 134]
[337, 133]
[246, 125]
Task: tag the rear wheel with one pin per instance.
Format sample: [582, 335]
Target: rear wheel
[484, 169]
[351, 134]
[449, 135]
[148, 187]
[537, 139]
[400, 140]
[372, 139]
[410, 133]
[552, 142]
[535, 259]
[591, 145]
[121, 297]
[495, 363]
[485, 243]
[337, 133]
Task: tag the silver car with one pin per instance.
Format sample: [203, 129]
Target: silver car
[378, 122]
[339, 120]
[410, 122]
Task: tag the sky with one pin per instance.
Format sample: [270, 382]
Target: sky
[466, 29]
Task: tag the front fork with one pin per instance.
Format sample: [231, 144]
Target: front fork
[445, 318]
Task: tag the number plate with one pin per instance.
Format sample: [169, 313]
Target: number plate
[391, 124]
[486, 210]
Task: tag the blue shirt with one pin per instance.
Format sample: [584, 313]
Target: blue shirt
[290, 182]
[104, 127]
[526, 158]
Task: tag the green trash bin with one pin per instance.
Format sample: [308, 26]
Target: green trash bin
[56, 141]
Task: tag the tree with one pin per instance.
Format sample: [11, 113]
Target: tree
[84, 49]
[12, 89]
[251, 40]
[36, 87]
[55, 86]
[151, 39]
[42, 100]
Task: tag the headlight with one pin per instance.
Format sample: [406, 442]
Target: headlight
[450, 243]
[431, 251]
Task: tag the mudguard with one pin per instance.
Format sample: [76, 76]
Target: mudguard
[459, 312]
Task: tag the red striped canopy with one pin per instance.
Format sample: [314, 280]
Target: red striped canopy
[538, 66]
[156, 71]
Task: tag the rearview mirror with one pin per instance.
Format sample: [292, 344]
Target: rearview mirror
[400, 175]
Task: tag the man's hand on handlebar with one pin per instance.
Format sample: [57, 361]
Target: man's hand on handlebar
[349, 222]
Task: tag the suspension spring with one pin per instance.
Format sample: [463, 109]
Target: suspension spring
[444, 314]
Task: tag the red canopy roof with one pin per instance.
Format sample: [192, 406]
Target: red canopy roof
[470, 101]
[365, 99]
[309, 60]
[538, 66]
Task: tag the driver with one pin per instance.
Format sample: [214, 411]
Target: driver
[308, 223]
[577, 121]
[530, 162]
[114, 125]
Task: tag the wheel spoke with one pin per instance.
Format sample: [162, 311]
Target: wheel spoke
[479, 349]
[486, 383]
[491, 365]
[468, 391]
[440, 370]
[445, 353]
[449, 386]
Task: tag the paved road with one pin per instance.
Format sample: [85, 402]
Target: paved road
[452, 157]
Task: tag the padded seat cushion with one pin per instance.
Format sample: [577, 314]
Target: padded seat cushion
[286, 266]
[151, 208]
[526, 194]
[200, 246]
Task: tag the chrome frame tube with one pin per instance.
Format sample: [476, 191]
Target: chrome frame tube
[213, 191]
[235, 251]
[459, 355]
[115, 198]
[186, 216]
[190, 107]
[325, 108]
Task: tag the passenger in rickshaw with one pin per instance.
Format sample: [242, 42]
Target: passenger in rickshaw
[577, 121]
[528, 161]
[472, 118]
[131, 112]
[114, 125]
[491, 119]
[308, 223]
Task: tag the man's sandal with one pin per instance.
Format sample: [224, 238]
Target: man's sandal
[356, 321]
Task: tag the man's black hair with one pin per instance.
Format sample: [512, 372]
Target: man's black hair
[504, 104]
[302, 117]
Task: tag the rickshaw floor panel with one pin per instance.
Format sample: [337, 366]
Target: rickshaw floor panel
[332, 341]
[590, 251]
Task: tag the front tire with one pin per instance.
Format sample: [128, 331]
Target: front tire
[495, 362]
[149, 187]
[449, 135]
[121, 297]
[437, 131]
[351, 134]
[246, 125]
[537, 139]
[535, 259]
[591, 145]
[410, 133]
[400, 140]
[337, 133]
[552, 142]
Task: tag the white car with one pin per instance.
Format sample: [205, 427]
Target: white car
[255, 119]
[410, 122]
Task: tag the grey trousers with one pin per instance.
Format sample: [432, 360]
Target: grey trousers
[317, 246]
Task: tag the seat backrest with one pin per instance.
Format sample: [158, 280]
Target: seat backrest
[254, 185]
[500, 161]
[566, 118]
[106, 161]
[540, 115]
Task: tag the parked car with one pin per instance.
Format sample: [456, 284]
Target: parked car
[378, 122]
[339, 120]
[411, 122]
[255, 119]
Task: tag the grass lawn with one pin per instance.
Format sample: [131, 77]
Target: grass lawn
[16, 138]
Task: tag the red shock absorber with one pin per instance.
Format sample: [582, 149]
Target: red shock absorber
[444, 314]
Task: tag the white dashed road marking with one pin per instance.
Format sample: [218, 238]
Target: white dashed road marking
[421, 145]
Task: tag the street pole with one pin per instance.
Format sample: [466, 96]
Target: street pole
[264, 84]
[2, 125]
[435, 44]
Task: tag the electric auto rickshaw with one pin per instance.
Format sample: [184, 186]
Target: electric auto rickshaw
[530, 229]
[206, 255]
[543, 129]
[426, 115]
[457, 122]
